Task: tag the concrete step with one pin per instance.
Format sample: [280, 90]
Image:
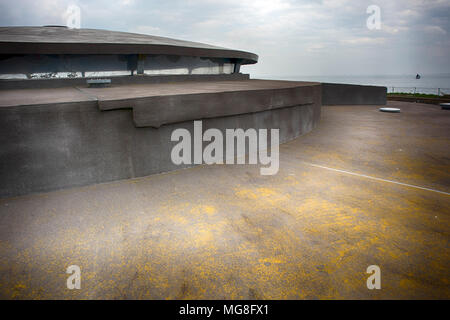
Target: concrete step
[164, 103]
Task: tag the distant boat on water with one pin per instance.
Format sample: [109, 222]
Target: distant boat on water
[417, 76]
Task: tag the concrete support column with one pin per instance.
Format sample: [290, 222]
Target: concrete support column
[140, 63]
[237, 67]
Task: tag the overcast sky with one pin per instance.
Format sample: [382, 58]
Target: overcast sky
[306, 37]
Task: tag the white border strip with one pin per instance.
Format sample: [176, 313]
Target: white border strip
[377, 179]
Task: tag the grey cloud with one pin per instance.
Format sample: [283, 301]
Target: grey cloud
[291, 37]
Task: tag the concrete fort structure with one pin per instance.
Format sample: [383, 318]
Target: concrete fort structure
[56, 131]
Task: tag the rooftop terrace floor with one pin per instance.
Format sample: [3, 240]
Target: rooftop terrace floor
[336, 206]
[39, 96]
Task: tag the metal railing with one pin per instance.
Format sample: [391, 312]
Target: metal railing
[413, 90]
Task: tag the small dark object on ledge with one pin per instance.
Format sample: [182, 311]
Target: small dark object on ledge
[99, 83]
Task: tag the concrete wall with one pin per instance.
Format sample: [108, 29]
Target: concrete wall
[49, 147]
[349, 94]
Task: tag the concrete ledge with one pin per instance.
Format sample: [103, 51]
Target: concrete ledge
[171, 103]
[164, 103]
[350, 94]
[156, 111]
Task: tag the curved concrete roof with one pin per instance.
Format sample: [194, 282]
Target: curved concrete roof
[62, 40]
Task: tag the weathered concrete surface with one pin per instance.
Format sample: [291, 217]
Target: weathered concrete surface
[58, 138]
[60, 40]
[226, 232]
[121, 96]
[155, 105]
[351, 94]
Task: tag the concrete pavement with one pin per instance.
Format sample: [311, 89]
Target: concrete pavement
[226, 232]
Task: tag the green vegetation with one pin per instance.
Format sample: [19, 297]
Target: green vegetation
[414, 95]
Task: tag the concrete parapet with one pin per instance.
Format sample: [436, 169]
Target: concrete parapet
[48, 146]
[350, 94]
